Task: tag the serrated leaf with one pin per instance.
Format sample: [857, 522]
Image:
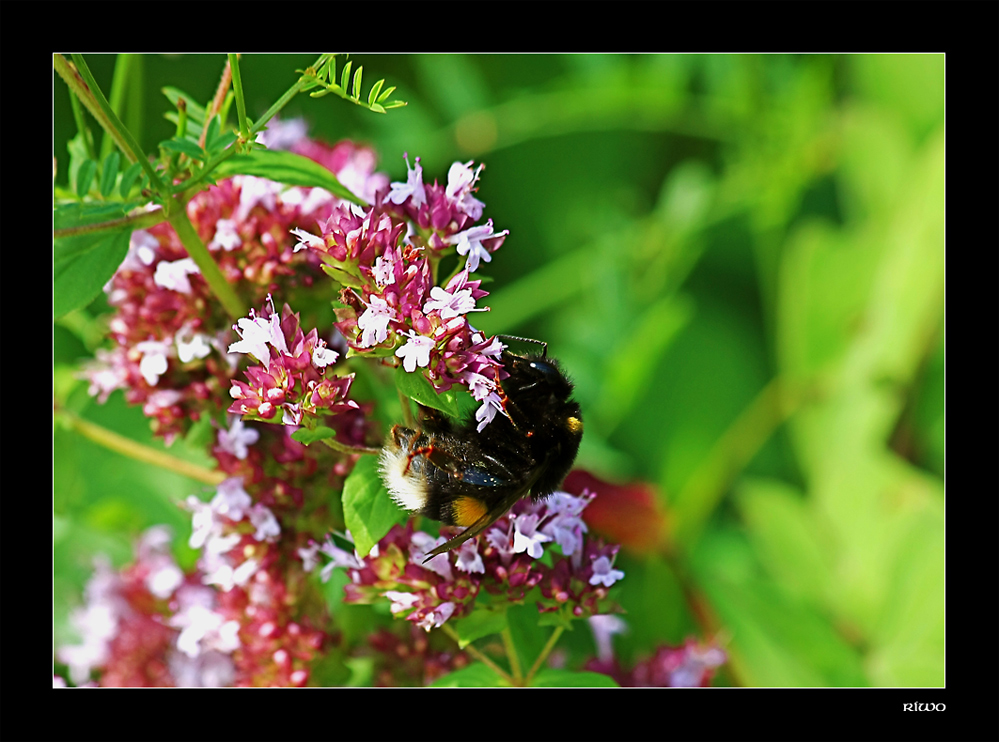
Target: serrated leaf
[128, 178]
[84, 177]
[368, 510]
[287, 168]
[83, 263]
[306, 436]
[475, 675]
[552, 678]
[416, 386]
[479, 623]
[109, 173]
[345, 76]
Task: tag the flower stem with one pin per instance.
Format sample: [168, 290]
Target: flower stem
[84, 86]
[511, 653]
[237, 88]
[472, 650]
[206, 264]
[344, 448]
[546, 650]
[138, 451]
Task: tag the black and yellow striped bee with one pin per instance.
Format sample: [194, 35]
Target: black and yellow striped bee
[450, 472]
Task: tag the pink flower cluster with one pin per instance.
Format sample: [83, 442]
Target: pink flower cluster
[292, 373]
[170, 334]
[232, 621]
[691, 665]
[386, 258]
[506, 561]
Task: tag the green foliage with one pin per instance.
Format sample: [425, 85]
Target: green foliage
[84, 262]
[738, 260]
[415, 386]
[368, 510]
[284, 167]
[348, 87]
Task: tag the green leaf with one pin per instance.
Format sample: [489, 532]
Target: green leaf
[84, 263]
[285, 167]
[368, 511]
[355, 92]
[345, 76]
[187, 147]
[373, 93]
[223, 142]
[84, 177]
[306, 436]
[479, 623]
[195, 112]
[416, 386]
[552, 678]
[128, 178]
[385, 94]
[214, 127]
[475, 675]
[109, 173]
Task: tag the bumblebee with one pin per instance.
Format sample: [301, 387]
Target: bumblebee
[450, 472]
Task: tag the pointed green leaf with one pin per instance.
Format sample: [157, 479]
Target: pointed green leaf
[385, 94]
[128, 178]
[368, 510]
[214, 126]
[185, 146]
[84, 177]
[373, 94]
[479, 623]
[195, 112]
[287, 168]
[355, 92]
[84, 263]
[345, 77]
[109, 173]
[377, 108]
[306, 436]
[416, 386]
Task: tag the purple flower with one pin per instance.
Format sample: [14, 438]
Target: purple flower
[374, 322]
[470, 243]
[603, 573]
[416, 351]
[413, 189]
[527, 538]
[238, 438]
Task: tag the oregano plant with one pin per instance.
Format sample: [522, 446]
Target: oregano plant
[281, 302]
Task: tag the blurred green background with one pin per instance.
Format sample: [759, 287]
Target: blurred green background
[740, 262]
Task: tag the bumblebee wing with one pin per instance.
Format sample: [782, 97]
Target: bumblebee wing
[495, 512]
[490, 517]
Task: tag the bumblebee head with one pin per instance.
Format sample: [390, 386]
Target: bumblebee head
[535, 377]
